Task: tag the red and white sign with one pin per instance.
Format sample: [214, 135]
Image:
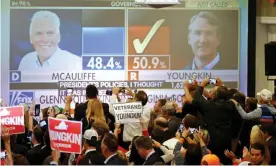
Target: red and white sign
[65, 135]
[13, 119]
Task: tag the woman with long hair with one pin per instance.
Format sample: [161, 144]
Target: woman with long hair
[94, 113]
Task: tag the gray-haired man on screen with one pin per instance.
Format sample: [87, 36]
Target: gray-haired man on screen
[204, 38]
[45, 37]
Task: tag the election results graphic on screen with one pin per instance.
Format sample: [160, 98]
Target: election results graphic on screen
[56, 45]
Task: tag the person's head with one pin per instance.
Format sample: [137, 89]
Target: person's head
[143, 145]
[265, 96]
[101, 128]
[141, 96]
[256, 135]
[190, 121]
[220, 92]
[62, 116]
[44, 113]
[45, 33]
[239, 97]
[268, 130]
[134, 155]
[19, 159]
[95, 110]
[161, 123]
[257, 153]
[168, 110]
[210, 159]
[204, 36]
[251, 104]
[90, 139]
[37, 136]
[109, 145]
[193, 154]
[159, 104]
[91, 92]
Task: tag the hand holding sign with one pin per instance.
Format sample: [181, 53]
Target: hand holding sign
[128, 112]
[65, 135]
[5, 134]
[13, 119]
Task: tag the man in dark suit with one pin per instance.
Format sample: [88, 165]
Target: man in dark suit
[91, 156]
[80, 110]
[109, 150]
[144, 147]
[34, 155]
[218, 115]
[270, 136]
[204, 38]
[169, 112]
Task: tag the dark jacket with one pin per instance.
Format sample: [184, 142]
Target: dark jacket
[92, 158]
[154, 158]
[173, 124]
[271, 143]
[116, 160]
[34, 155]
[218, 116]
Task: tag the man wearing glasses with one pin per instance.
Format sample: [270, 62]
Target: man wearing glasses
[45, 37]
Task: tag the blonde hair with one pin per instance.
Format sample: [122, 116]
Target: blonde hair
[256, 135]
[26, 117]
[95, 110]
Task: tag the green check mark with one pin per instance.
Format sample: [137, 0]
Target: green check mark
[140, 47]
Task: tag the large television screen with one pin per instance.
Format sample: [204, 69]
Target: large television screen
[51, 45]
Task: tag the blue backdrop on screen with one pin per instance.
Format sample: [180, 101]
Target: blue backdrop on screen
[104, 40]
[70, 30]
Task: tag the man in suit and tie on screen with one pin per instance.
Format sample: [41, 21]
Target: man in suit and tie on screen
[204, 38]
[45, 38]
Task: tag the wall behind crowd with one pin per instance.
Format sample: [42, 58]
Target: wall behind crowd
[265, 32]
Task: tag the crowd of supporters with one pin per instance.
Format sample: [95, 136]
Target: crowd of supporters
[215, 125]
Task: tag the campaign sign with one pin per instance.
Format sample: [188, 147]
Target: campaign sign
[128, 112]
[65, 135]
[13, 119]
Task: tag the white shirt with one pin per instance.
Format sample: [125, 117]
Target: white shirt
[210, 65]
[36, 145]
[113, 100]
[106, 160]
[61, 60]
[135, 129]
[268, 138]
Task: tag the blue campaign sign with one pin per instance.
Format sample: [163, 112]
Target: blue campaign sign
[18, 97]
[103, 62]
[15, 76]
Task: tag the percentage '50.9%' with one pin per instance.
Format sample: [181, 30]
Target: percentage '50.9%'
[148, 62]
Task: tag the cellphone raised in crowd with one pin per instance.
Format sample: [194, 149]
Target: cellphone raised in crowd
[121, 90]
[192, 130]
[181, 128]
[3, 155]
[212, 81]
[37, 109]
[69, 91]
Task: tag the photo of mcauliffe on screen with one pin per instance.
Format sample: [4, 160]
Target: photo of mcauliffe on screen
[45, 36]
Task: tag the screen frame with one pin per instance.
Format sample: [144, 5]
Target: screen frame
[246, 36]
